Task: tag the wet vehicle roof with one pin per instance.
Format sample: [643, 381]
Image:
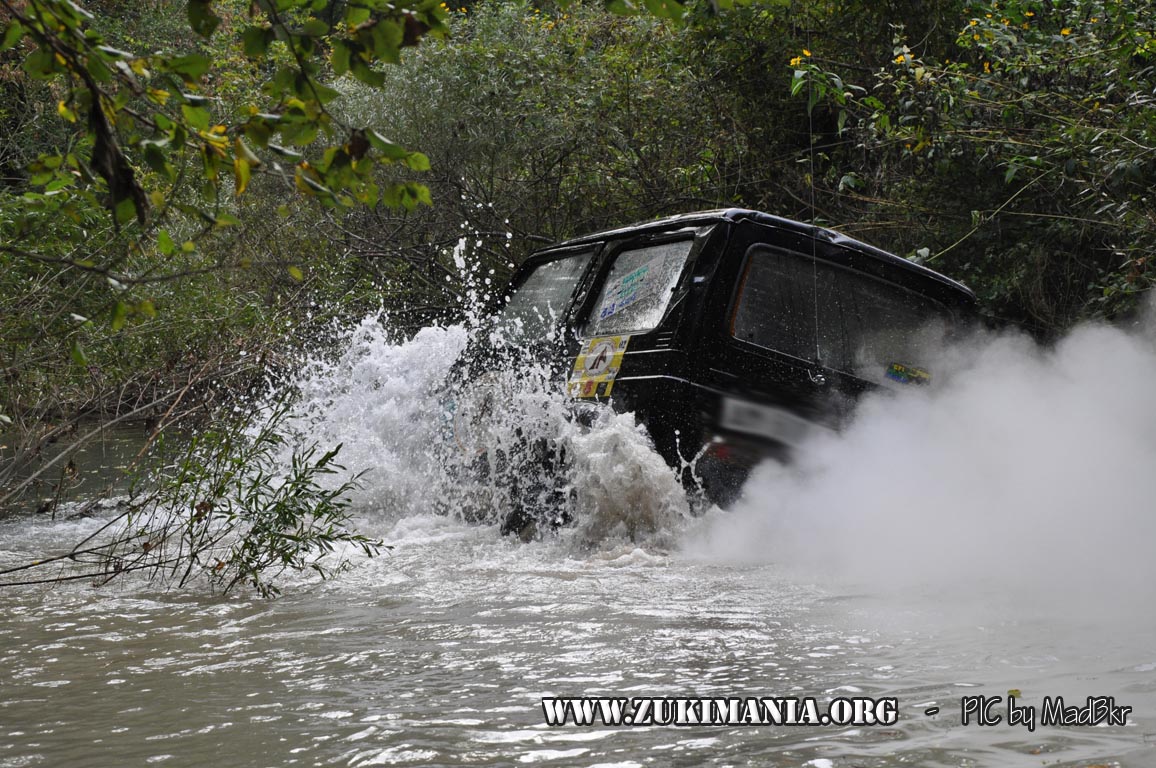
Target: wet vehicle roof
[700, 218]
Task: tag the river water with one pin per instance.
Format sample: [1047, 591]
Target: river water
[992, 536]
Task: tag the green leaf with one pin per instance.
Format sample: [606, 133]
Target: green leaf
[370, 77]
[386, 147]
[77, 353]
[296, 274]
[323, 93]
[202, 18]
[197, 117]
[417, 161]
[386, 39]
[340, 57]
[99, 70]
[12, 35]
[300, 133]
[259, 131]
[190, 68]
[800, 79]
[77, 13]
[165, 243]
[125, 211]
[666, 9]
[40, 64]
[256, 41]
[408, 196]
[146, 308]
[154, 157]
[315, 28]
[622, 8]
[355, 14]
[119, 316]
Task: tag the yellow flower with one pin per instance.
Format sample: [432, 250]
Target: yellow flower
[1029, 14]
[1065, 31]
[1094, 19]
[806, 52]
[973, 22]
[987, 67]
[796, 61]
[975, 37]
[1025, 25]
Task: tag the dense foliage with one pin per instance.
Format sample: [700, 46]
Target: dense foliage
[1008, 144]
[1019, 153]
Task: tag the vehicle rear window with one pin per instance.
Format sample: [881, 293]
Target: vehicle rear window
[536, 304]
[637, 289]
[838, 318]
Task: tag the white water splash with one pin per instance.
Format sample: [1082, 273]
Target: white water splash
[1029, 474]
[378, 400]
[434, 439]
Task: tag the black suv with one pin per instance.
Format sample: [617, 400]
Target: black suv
[732, 334]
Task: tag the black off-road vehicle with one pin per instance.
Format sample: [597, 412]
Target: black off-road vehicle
[732, 334]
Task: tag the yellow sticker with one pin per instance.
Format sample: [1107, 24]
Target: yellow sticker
[596, 366]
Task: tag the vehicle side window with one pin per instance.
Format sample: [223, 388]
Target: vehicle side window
[835, 317]
[776, 304]
[638, 288]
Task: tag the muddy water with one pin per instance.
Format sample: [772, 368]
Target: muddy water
[439, 655]
[73, 468]
[439, 652]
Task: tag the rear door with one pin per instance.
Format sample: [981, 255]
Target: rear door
[759, 339]
[803, 334]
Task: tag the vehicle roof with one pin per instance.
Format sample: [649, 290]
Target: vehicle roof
[699, 218]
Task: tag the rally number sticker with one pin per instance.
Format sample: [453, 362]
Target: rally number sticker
[597, 366]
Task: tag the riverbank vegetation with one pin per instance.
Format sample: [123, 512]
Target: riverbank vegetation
[192, 193]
